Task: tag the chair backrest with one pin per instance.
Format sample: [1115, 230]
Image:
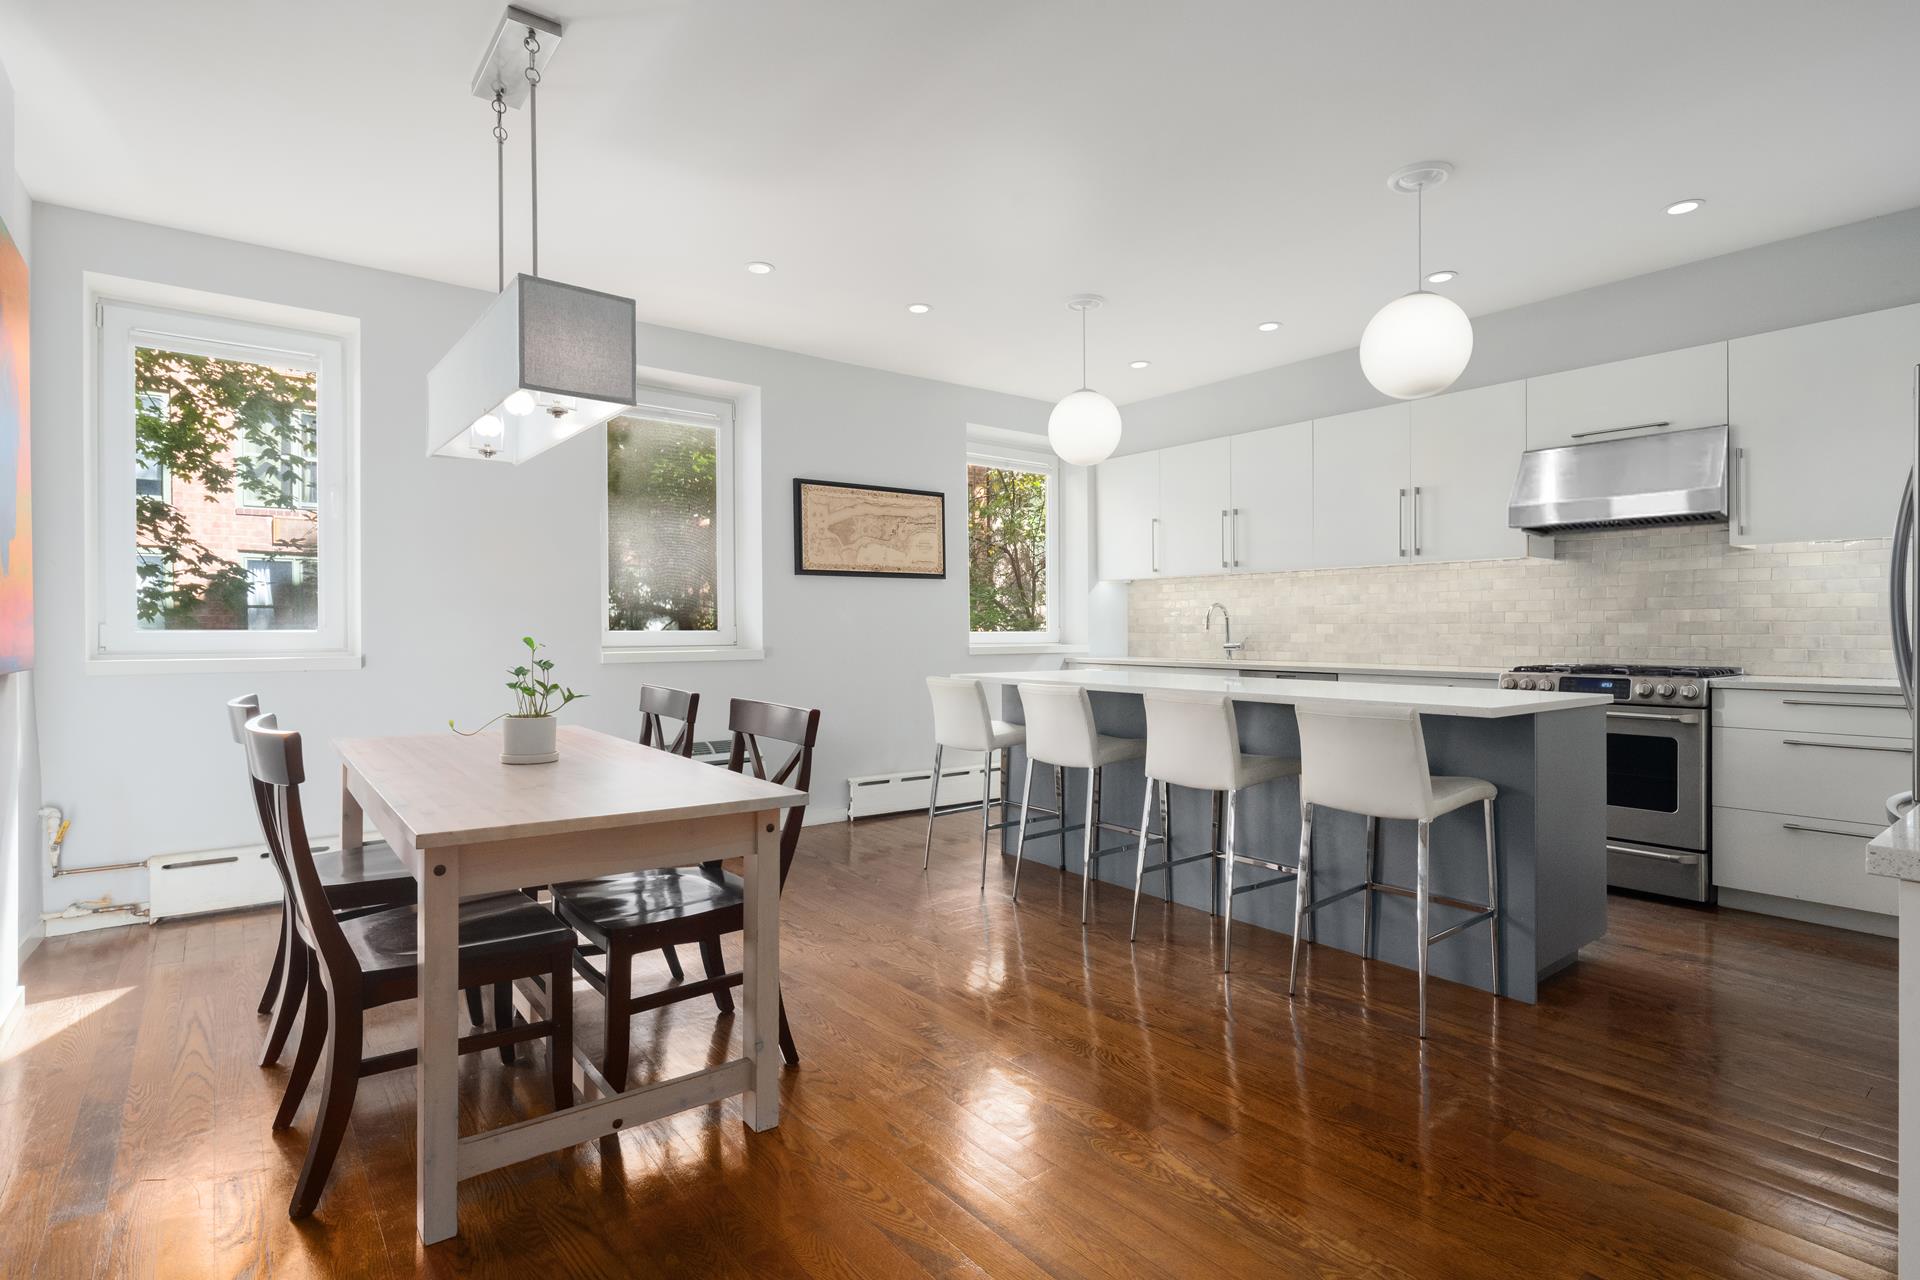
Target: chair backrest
[1365, 759]
[239, 711]
[797, 727]
[961, 718]
[1060, 727]
[659, 704]
[276, 764]
[1193, 740]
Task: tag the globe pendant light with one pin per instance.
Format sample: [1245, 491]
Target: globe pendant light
[1084, 428]
[1419, 343]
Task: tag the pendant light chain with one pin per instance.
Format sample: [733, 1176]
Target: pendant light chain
[500, 188]
[532, 46]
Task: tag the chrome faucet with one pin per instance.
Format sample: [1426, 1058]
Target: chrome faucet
[1229, 646]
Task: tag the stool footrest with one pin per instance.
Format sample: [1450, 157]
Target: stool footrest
[1246, 860]
[1180, 862]
[1264, 884]
[1332, 898]
[1479, 917]
[1403, 892]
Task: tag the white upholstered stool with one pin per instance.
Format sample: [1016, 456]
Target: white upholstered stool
[1061, 733]
[1193, 740]
[962, 720]
[1372, 760]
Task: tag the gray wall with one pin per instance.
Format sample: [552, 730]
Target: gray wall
[461, 559]
[1865, 266]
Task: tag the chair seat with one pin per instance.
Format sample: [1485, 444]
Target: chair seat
[495, 931]
[656, 900]
[1453, 793]
[1006, 734]
[370, 876]
[1250, 771]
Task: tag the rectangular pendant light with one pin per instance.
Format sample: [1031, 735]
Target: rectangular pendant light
[544, 362]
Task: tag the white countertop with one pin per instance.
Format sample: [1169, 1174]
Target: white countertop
[1896, 851]
[1331, 668]
[1807, 684]
[1433, 700]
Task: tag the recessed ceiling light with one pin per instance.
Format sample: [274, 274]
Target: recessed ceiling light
[760, 268]
[1441, 277]
[918, 308]
[1679, 207]
[1268, 326]
[1139, 364]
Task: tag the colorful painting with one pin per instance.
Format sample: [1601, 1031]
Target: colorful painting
[16, 471]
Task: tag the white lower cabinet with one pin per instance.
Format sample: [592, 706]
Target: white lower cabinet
[1819, 860]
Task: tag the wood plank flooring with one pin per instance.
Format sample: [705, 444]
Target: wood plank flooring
[987, 1091]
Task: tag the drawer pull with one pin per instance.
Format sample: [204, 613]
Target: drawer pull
[1823, 702]
[1825, 831]
[1841, 746]
[1658, 855]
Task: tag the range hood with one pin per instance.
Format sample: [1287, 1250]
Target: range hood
[1672, 477]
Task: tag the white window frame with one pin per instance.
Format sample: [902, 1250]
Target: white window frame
[129, 313]
[1008, 458]
[656, 404]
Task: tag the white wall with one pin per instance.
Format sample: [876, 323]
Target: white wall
[461, 559]
[19, 757]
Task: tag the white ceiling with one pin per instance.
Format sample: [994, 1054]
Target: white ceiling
[1205, 165]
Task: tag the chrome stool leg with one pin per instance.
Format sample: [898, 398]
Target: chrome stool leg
[1213, 881]
[1422, 909]
[1493, 897]
[1166, 833]
[1060, 808]
[1020, 845]
[986, 814]
[1302, 892]
[1140, 866]
[1093, 841]
[933, 803]
[1226, 900]
[1373, 878]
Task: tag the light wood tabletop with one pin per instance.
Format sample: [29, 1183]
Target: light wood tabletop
[465, 824]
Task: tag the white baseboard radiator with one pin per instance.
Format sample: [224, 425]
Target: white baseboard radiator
[191, 884]
[900, 792]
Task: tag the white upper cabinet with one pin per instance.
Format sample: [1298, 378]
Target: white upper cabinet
[1675, 390]
[1466, 451]
[1195, 498]
[1361, 483]
[1271, 526]
[1127, 519]
[1823, 427]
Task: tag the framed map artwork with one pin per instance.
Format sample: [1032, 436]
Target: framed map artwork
[868, 530]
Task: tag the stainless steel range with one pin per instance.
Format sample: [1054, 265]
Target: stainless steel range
[1659, 833]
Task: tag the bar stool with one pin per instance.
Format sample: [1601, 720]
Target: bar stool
[961, 720]
[1372, 760]
[1061, 733]
[1193, 740]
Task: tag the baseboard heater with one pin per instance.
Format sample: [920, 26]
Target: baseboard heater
[900, 792]
[192, 884]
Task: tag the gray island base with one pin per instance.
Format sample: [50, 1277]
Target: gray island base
[1545, 752]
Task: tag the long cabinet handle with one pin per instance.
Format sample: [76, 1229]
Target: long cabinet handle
[1233, 535]
[1614, 431]
[1400, 510]
[1825, 831]
[1823, 702]
[1740, 491]
[1416, 520]
[1153, 543]
[1657, 855]
[1224, 558]
[1842, 746]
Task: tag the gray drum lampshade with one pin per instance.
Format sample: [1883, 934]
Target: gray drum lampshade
[544, 362]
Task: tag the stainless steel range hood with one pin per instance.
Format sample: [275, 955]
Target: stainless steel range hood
[1673, 477]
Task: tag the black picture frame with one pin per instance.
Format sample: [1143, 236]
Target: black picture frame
[800, 484]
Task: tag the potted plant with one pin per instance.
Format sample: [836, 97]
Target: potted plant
[530, 733]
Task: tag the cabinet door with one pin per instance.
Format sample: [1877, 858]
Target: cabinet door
[1823, 422]
[1361, 471]
[1685, 388]
[1466, 450]
[1127, 518]
[1272, 522]
[1194, 498]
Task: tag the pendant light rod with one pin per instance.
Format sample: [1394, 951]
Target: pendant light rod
[1084, 303]
[500, 189]
[532, 45]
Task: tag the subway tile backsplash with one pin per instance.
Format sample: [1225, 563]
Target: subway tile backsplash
[1657, 595]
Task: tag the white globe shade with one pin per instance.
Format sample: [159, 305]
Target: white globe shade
[1416, 345]
[1084, 428]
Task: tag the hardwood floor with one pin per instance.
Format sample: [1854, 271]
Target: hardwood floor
[984, 1091]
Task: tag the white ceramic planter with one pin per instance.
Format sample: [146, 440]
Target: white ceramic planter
[530, 740]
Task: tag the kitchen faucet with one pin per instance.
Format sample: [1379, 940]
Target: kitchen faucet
[1230, 647]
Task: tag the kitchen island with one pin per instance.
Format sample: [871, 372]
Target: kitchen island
[1546, 752]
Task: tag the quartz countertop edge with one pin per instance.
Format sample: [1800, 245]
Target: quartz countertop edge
[1807, 684]
[1436, 700]
[1895, 852]
[1263, 664]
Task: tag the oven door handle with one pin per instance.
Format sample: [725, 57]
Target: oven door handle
[1688, 717]
[1657, 855]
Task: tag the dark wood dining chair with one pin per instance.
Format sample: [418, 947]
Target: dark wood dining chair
[366, 961]
[622, 916]
[658, 704]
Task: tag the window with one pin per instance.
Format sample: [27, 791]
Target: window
[222, 452]
[669, 524]
[1011, 592]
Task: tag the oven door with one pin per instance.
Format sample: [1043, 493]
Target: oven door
[1657, 778]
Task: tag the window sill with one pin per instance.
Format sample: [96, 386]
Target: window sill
[1022, 646]
[217, 664]
[689, 653]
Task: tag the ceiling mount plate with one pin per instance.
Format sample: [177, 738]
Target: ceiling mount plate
[504, 66]
[1086, 302]
[1417, 177]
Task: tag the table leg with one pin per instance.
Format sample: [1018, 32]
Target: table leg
[352, 821]
[436, 1080]
[760, 1005]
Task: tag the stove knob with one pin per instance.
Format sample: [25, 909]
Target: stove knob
[1689, 690]
[1643, 690]
[1508, 682]
[1664, 690]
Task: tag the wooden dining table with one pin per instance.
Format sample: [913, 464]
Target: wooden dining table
[464, 824]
